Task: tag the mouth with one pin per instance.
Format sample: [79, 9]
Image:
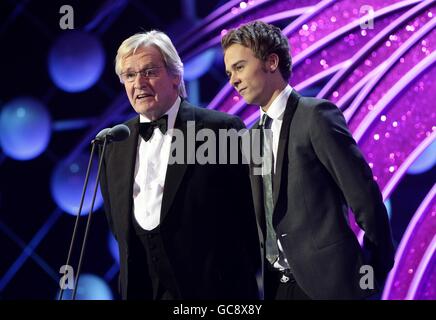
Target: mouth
[242, 90]
[143, 96]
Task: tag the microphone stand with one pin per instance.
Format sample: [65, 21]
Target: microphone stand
[73, 238]
[76, 283]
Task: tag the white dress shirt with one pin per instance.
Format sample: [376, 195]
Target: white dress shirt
[150, 172]
[276, 112]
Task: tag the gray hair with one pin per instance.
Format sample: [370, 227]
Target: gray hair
[163, 43]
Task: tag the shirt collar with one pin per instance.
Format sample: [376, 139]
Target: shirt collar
[172, 114]
[278, 106]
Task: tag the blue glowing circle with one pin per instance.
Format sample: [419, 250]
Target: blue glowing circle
[198, 65]
[67, 186]
[91, 287]
[76, 61]
[113, 247]
[425, 161]
[25, 128]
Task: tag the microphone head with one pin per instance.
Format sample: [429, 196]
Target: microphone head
[119, 132]
[102, 134]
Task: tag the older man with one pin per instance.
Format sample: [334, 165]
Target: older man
[185, 230]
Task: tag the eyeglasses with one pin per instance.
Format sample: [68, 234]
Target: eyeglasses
[148, 73]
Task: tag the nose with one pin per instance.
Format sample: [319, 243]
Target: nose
[140, 82]
[234, 80]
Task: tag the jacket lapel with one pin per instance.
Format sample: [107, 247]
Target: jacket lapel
[291, 106]
[124, 163]
[176, 172]
[257, 185]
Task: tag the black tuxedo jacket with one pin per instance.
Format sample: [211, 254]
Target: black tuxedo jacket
[208, 224]
[320, 173]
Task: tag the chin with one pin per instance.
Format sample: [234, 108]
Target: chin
[142, 109]
[146, 106]
[248, 100]
[251, 98]
[150, 110]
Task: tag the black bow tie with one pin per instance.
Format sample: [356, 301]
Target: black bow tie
[146, 129]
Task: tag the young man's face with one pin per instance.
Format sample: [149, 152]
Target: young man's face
[151, 96]
[247, 74]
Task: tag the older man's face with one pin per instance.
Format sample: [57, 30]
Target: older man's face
[154, 92]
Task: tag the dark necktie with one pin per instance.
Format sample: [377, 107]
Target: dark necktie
[266, 145]
[146, 129]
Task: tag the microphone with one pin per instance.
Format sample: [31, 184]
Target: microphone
[99, 138]
[117, 133]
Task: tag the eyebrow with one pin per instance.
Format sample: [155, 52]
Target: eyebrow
[234, 65]
[147, 66]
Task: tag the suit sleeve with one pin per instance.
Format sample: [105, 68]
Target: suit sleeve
[339, 153]
[247, 224]
[105, 193]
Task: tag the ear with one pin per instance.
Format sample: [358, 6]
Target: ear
[272, 62]
[176, 80]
